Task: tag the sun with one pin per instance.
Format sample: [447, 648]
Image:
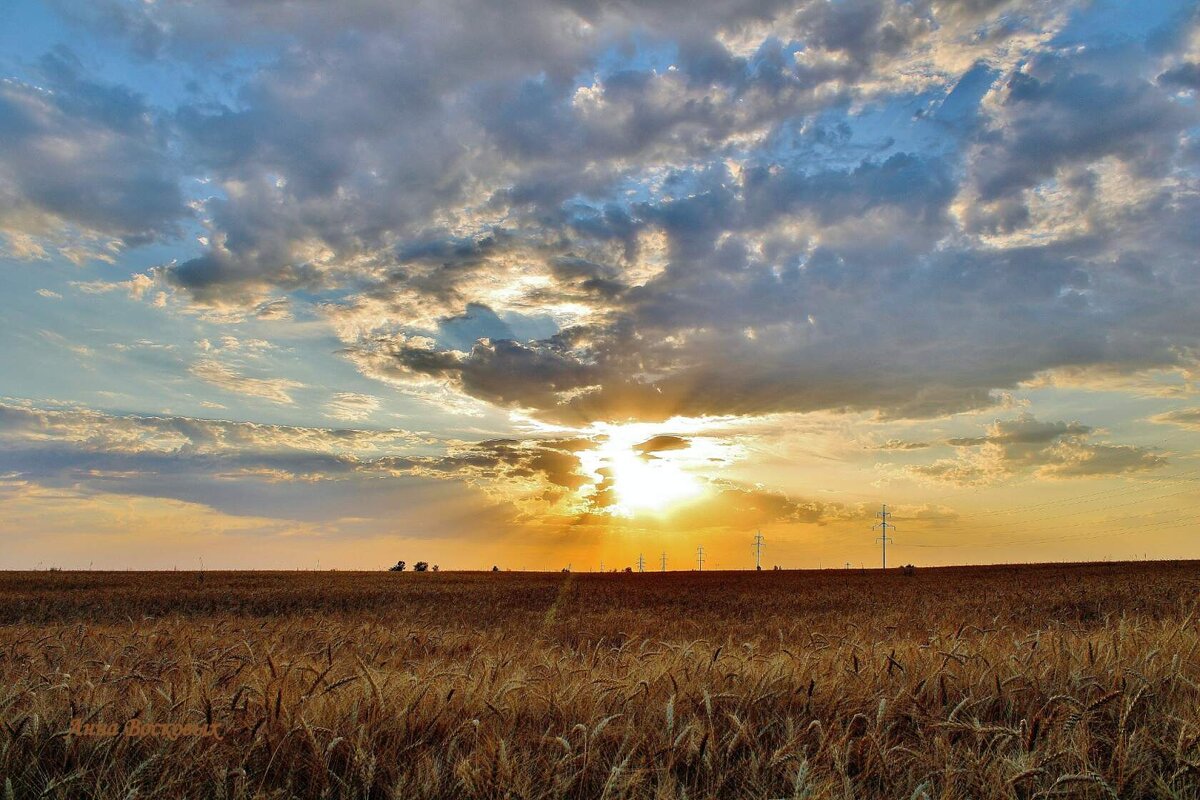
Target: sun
[639, 482]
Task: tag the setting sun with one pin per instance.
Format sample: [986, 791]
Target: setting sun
[643, 472]
[642, 485]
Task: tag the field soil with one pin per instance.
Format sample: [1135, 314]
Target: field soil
[981, 682]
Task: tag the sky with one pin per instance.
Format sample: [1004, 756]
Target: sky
[304, 285]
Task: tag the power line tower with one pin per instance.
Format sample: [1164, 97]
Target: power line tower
[883, 525]
[664, 561]
[700, 558]
[602, 566]
[641, 563]
[758, 546]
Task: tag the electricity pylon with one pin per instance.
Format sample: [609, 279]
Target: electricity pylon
[758, 546]
[641, 563]
[883, 524]
[700, 558]
[664, 561]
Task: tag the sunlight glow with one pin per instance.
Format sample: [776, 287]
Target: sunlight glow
[641, 483]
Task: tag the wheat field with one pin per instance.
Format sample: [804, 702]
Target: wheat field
[987, 682]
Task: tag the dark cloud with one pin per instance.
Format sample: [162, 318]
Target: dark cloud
[1023, 431]
[599, 211]
[661, 443]
[86, 154]
[1060, 111]
[254, 469]
[750, 338]
[863, 30]
[359, 138]
[1186, 75]
[555, 461]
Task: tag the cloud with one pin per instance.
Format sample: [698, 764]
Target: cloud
[137, 286]
[1026, 445]
[1186, 75]
[320, 475]
[1182, 417]
[956, 472]
[351, 406]
[1053, 118]
[25, 424]
[224, 377]
[606, 212]
[555, 462]
[1017, 434]
[900, 444]
[1088, 460]
[241, 468]
[73, 444]
[661, 443]
[84, 163]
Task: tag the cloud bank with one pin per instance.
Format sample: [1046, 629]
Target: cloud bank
[595, 211]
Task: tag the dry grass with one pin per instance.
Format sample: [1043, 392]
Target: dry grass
[1022, 682]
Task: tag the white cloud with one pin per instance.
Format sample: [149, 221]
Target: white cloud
[276, 390]
[351, 406]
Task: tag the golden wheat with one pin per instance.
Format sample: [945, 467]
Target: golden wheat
[983, 683]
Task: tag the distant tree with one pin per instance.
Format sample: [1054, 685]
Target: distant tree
[435, 567]
[398, 568]
[421, 566]
[629, 569]
[566, 569]
[495, 568]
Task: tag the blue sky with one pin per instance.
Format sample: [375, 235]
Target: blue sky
[290, 281]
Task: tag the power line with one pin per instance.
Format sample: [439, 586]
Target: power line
[1146, 484]
[1166, 524]
[1134, 516]
[1036, 520]
[1146, 491]
[1046, 517]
